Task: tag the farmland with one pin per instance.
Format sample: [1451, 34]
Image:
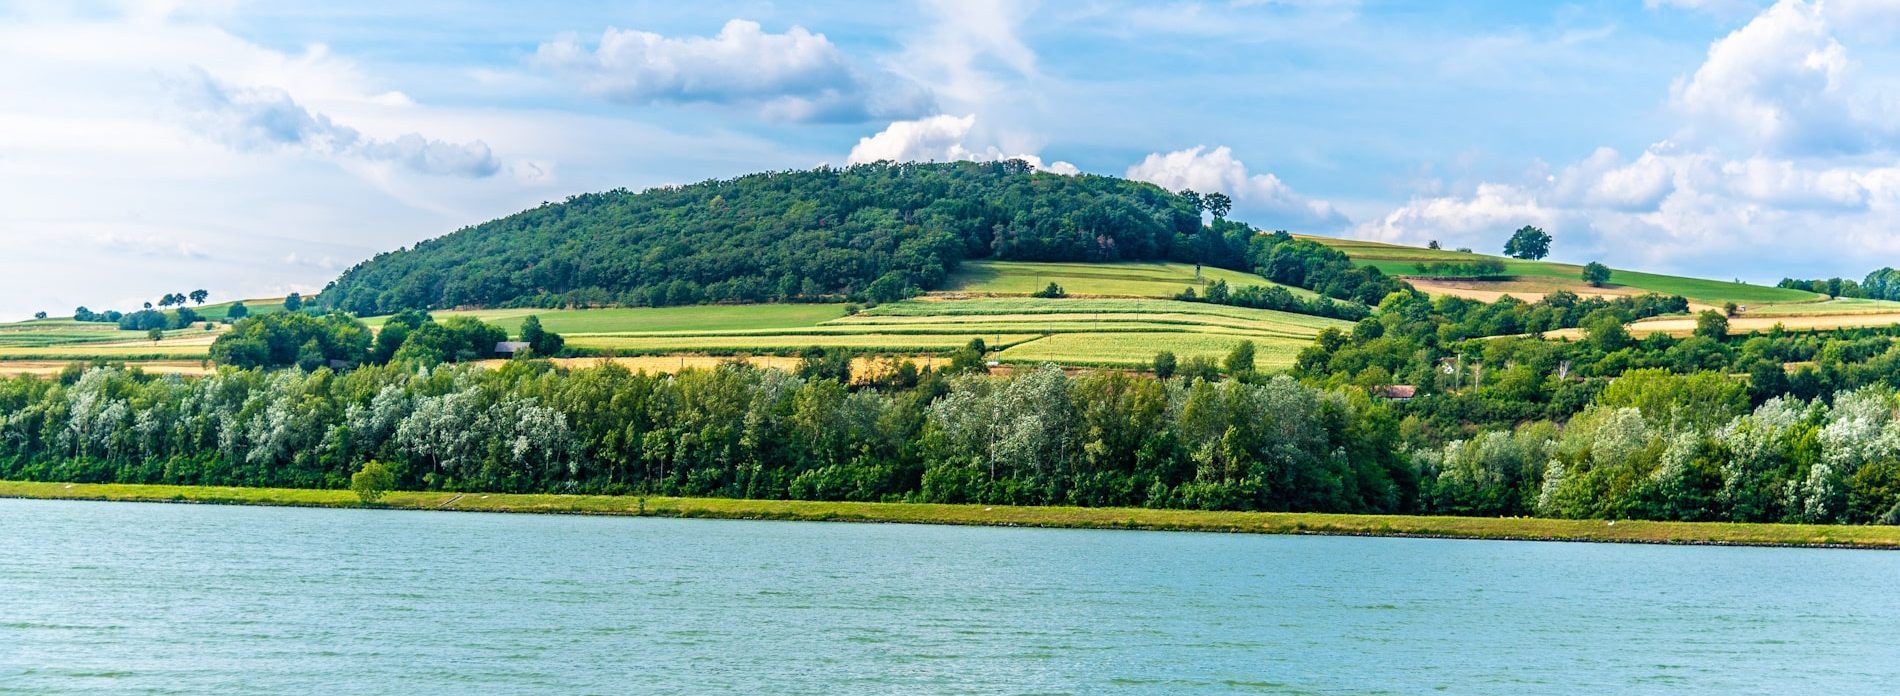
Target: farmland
[1156, 279]
[1532, 278]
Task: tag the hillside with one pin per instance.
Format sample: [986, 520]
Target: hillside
[868, 231]
[1532, 279]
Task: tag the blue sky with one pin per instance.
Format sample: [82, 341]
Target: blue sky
[255, 148]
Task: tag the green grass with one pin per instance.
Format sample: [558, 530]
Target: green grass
[698, 318]
[1073, 331]
[217, 311]
[1403, 260]
[718, 345]
[1271, 353]
[1726, 533]
[1144, 279]
[1843, 305]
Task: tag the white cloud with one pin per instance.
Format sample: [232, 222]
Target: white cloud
[941, 138]
[1262, 199]
[793, 76]
[254, 118]
[1784, 152]
[1783, 84]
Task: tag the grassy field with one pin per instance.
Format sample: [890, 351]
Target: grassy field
[1403, 260]
[1152, 279]
[699, 318]
[1109, 332]
[1885, 537]
[65, 339]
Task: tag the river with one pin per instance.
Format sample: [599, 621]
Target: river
[153, 598]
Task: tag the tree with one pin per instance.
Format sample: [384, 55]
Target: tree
[293, 302]
[1596, 274]
[199, 296]
[1432, 244]
[166, 301]
[544, 343]
[1164, 364]
[237, 311]
[1711, 324]
[1240, 359]
[1218, 205]
[372, 481]
[155, 334]
[1053, 291]
[1529, 243]
[39, 315]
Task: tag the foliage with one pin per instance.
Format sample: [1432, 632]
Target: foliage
[373, 481]
[289, 338]
[1054, 291]
[788, 236]
[1528, 243]
[1596, 274]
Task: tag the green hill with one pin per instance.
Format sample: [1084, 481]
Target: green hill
[1548, 276]
[872, 231]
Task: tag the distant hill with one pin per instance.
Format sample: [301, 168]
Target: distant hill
[868, 231]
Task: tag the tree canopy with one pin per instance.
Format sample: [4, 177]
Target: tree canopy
[1529, 243]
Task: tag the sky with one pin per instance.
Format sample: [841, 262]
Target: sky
[258, 148]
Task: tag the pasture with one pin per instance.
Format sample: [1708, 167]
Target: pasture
[1550, 276]
[1128, 279]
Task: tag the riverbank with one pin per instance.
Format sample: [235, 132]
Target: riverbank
[1625, 531]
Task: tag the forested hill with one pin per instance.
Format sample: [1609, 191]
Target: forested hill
[869, 231]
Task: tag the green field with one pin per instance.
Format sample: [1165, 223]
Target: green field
[65, 339]
[1839, 306]
[1145, 279]
[1403, 260]
[1070, 331]
[1624, 531]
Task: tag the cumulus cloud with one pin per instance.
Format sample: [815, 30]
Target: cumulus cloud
[257, 118]
[1266, 199]
[941, 138]
[793, 76]
[1783, 151]
[1782, 84]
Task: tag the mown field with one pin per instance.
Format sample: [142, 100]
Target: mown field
[1624, 531]
[65, 339]
[1070, 331]
[1404, 261]
[1155, 279]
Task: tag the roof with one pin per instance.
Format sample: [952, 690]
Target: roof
[511, 346]
[1396, 391]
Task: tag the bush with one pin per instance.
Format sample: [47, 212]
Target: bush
[372, 481]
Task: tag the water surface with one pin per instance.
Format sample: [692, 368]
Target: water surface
[154, 598]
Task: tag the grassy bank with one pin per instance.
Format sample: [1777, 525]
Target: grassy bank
[1001, 515]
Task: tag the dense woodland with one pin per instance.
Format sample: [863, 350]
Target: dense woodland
[874, 231]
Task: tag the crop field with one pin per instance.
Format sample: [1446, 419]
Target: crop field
[1145, 279]
[65, 339]
[1845, 306]
[1403, 260]
[698, 318]
[1071, 331]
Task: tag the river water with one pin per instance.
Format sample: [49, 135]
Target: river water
[154, 598]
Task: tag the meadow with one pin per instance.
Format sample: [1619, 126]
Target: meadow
[1550, 276]
[1128, 279]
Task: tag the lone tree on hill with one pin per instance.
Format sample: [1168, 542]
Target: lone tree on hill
[1596, 274]
[293, 302]
[1528, 243]
[199, 296]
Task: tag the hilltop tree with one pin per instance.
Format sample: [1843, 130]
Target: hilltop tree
[1218, 205]
[237, 311]
[1528, 243]
[293, 302]
[199, 296]
[1596, 274]
[39, 315]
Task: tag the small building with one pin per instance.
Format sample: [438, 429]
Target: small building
[508, 349]
[1396, 392]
